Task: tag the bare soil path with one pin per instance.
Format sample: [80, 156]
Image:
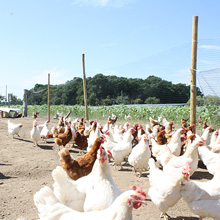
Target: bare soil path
[25, 169]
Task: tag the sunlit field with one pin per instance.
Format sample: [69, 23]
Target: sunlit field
[137, 113]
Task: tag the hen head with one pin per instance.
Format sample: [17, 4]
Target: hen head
[137, 198]
[102, 155]
[102, 138]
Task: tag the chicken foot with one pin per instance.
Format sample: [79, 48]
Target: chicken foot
[164, 215]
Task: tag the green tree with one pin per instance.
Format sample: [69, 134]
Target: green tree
[152, 100]
[124, 100]
[93, 100]
[199, 100]
[104, 90]
[138, 101]
[212, 100]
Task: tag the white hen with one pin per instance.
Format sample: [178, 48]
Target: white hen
[215, 145]
[35, 133]
[92, 137]
[191, 155]
[123, 148]
[109, 143]
[140, 155]
[50, 208]
[210, 159]
[101, 190]
[175, 143]
[14, 129]
[164, 189]
[45, 131]
[206, 134]
[203, 198]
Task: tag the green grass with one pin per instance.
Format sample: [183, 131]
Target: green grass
[138, 113]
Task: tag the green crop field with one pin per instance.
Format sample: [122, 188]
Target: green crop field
[137, 113]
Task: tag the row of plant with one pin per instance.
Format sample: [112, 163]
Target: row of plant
[137, 113]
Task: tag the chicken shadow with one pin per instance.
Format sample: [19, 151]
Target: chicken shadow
[75, 151]
[199, 175]
[21, 139]
[183, 218]
[50, 142]
[2, 176]
[4, 164]
[201, 165]
[45, 147]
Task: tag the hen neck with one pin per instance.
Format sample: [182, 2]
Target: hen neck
[175, 138]
[95, 147]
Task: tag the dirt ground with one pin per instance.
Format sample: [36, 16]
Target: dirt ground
[25, 169]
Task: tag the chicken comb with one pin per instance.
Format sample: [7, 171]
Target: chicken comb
[123, 130]
[100, 127]
[210, 128]
[139, 190]
[171, 122]
[103, 136]
[184, 128]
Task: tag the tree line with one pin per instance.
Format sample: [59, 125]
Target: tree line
[110, 90]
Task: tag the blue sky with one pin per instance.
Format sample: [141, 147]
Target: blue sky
[129, 38]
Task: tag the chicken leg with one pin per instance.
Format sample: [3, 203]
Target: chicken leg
[164, 215]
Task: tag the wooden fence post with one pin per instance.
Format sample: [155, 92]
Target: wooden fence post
[9, 100]
[25, 103]
[48, 99]
[84, 87]
[193, 71]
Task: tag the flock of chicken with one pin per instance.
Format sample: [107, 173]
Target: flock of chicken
[170, 155]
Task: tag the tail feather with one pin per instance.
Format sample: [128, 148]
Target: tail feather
[48, 205]
[64, 187]
[44, 201]
[152, 163]
[65, 159]
[70, 192]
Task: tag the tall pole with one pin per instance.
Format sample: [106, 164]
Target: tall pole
[84, 87]
[48, 99]
[6, 95]
[8, 100]
[193, 71]
[25, 103]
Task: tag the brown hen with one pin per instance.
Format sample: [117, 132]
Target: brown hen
[83, 165]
